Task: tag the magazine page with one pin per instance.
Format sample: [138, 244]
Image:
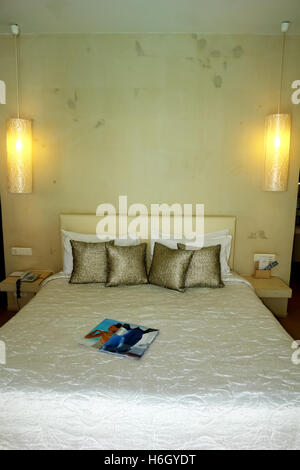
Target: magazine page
[121, 338]
[101, 333]
[130, 340]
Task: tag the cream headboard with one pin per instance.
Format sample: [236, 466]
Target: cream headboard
[86, 223]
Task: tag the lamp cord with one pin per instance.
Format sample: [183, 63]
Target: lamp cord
[17, 75]
[281, 72]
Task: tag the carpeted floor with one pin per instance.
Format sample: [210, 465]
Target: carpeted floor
[5, 316]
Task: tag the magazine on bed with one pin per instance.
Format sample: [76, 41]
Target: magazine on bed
[121, 338]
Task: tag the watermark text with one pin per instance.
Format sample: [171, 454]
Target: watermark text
[296, 353]
[183, 221]
[2, 353]
[2, 92]
[296, 94]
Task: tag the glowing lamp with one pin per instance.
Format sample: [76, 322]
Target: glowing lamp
[277, 147]
[19, 155]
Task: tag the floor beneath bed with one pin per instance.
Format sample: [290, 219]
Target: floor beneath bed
[5, 316]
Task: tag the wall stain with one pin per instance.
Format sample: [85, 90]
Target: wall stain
[201, 44]
[99, 123]
[139, 50]
[72, 102]
[237, 52]
[56, 90]
[136, 92]
[218, 81]
[205, 54]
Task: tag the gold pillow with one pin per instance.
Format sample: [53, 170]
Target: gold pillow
[205, 268]
[89, 262]
[126, 265]
[169, 267]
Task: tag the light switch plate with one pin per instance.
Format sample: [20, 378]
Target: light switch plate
[21, 251]
[264, 259]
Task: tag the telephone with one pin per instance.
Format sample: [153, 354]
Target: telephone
[28, 276]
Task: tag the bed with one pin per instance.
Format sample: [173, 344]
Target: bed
[219, 375]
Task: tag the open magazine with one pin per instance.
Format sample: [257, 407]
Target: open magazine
[121, 338]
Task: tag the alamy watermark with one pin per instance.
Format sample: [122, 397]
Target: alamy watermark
[2, 92]
[296, 354]
[183, 220]
[2, 353]
[296, 94]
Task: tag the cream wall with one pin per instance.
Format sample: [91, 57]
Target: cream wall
[161, 118]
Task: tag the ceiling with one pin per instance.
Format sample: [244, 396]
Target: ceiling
[150, 16]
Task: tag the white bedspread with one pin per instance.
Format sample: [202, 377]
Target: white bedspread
[219, 375]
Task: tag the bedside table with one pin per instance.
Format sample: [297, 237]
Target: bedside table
[28, 289]
[273, 292]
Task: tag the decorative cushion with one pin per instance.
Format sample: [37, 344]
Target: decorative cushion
[169, 267]
[222, 237]
[133, 239]
[126, 265]
[205, 267]
[89, 262]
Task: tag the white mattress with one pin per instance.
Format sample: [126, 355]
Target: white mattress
[219, 375]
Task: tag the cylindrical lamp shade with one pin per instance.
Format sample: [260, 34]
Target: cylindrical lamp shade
[19, 155]
[277, 148]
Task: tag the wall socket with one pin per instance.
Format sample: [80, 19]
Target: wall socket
[264, 259]
[21, 251]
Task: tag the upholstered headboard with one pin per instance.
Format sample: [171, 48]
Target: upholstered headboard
[87, 223]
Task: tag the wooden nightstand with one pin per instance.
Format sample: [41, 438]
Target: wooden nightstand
[273, 292]
[28, 289]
